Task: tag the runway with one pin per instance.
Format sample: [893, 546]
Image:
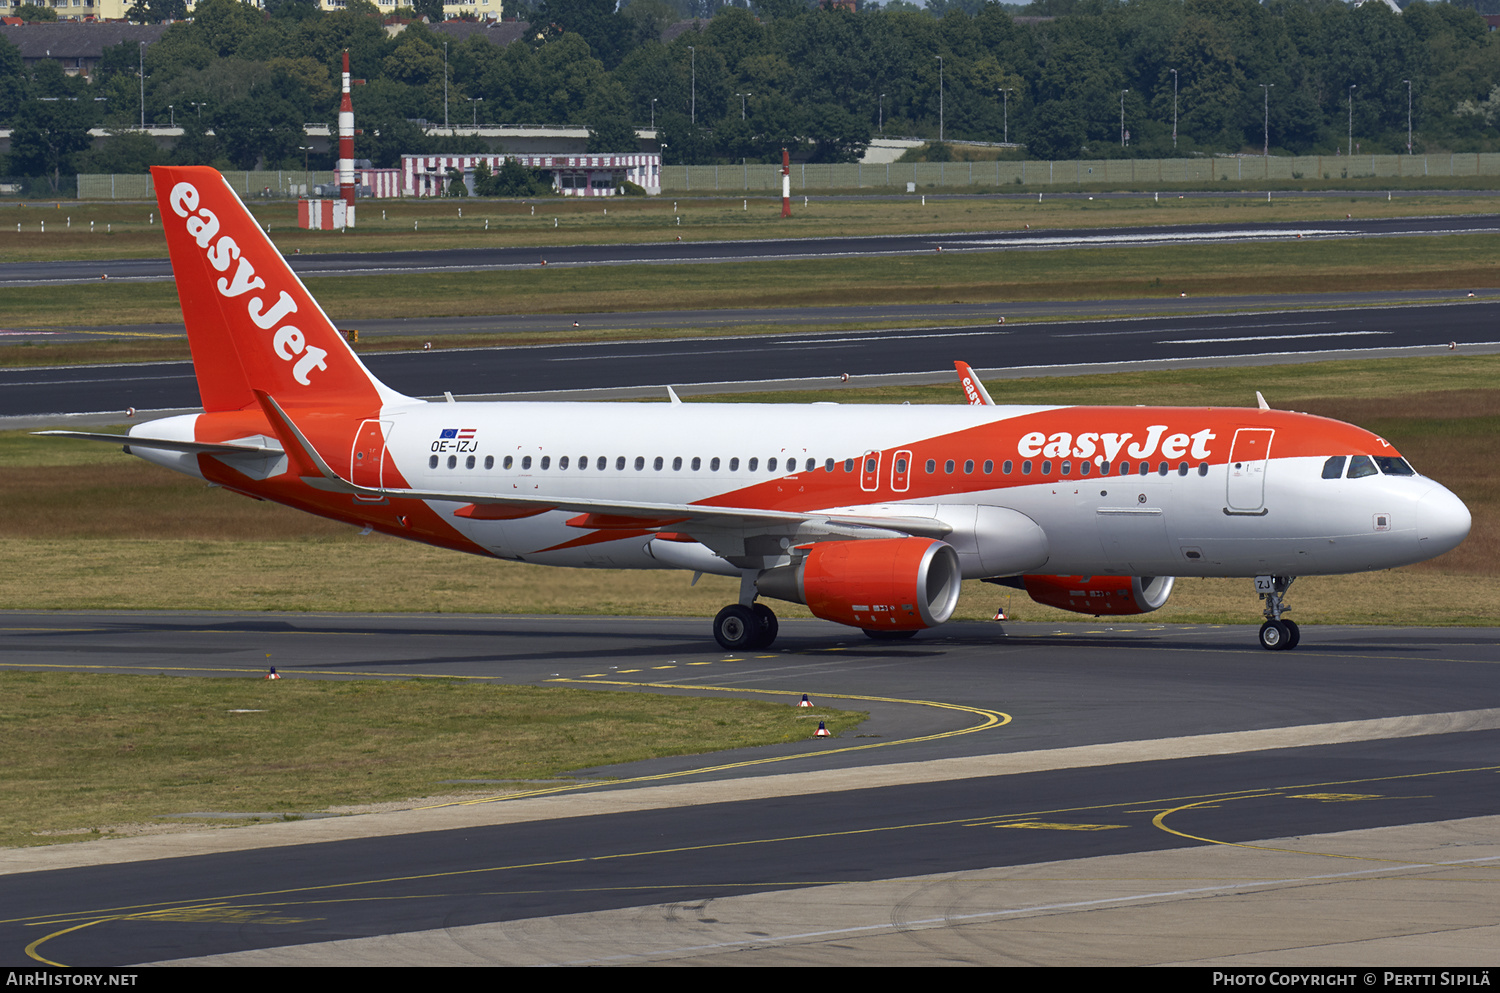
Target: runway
[820, 360]
[502, 257]
[1016, 789]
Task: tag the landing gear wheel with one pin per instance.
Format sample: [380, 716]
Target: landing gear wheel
[766, 620]
[736, 628]
[888, 635]
[1275, 636]
[1293, 634]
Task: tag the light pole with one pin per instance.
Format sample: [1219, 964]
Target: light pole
[1122, 117]
[940, 98]
[742, 97]
[1005, 93]
[693, 107]
[476, 102]
[1408, 115]
[653, 113]
[172, 116]
[1352, 87]
[1174, 109]
[882, 113]
[445, 85]
[1266, 89]
[143, 85]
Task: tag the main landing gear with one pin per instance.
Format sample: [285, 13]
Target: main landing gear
[1277, 633]
[739, 628]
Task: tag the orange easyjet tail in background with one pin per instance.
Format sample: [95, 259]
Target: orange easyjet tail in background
[251, 324]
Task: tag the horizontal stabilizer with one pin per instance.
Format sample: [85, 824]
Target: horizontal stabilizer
[165, 444]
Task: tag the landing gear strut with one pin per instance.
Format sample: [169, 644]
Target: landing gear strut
[1277, 633]
[739, 628]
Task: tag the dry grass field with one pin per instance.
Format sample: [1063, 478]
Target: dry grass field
[87, 755]
[61, 229]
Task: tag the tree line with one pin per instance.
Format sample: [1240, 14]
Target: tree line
[1066, 78]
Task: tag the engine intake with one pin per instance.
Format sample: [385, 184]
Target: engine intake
[879, 584]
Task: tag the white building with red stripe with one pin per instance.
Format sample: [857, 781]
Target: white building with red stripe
[572, 175]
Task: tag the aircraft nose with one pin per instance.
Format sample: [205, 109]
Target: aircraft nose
[1442, 521]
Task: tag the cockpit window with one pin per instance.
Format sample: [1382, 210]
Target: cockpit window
[1394, 465]
[1360, 465]
[1334, 467]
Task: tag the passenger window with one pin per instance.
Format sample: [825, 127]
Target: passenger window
[1203, 468]
[931, 466]
[677, 464]
[989, 466]
[1104, 468]
[526, 462]
[828, 466]
[969, 466]
[770, 465]
[1007, 467]
[1361, 465]
[1066, 468]
[750, 466]
[1334, 467]
[900, 465]
[604, 464]
[510, 460]
[432, 462]
[1145, 468]
[619, 463]
[1084, 468]
[640, 462]
[546, 462]
[1162, 469]
[1182, 468]
[713, 464]
[697, 463]
[1047, 467]
[562, 463]
[452, 461]
[1026, 468]
[489, 462]
[869, 465]
[849, 465]
[469, 462]
[948, 466]
[658, 462]
[734, 465]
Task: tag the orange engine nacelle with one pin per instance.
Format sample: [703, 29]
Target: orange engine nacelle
[1100, 594]
[880, 584]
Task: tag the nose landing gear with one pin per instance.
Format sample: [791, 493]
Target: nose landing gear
[1277, 633]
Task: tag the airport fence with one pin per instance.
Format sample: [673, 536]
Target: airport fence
[1075, 172]
[255, 183]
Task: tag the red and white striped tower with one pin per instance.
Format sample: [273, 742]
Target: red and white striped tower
[786, 184]
[346, 140]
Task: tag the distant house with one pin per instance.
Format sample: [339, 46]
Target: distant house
[77, 45]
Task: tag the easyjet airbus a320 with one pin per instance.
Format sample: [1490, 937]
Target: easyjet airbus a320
[869, 515]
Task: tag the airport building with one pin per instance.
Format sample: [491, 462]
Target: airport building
[572, 175]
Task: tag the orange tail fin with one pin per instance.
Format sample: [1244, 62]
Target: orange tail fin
[251, 324]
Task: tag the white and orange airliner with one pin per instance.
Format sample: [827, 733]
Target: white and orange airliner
[869, 515]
